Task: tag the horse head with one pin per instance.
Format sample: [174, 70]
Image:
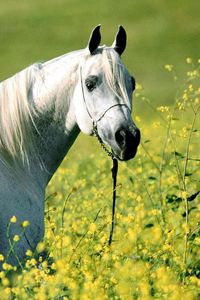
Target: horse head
[103, 96]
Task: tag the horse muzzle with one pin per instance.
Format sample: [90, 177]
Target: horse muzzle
[127, 141]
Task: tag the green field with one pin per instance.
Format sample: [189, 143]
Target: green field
[159, 33]
[155, 253]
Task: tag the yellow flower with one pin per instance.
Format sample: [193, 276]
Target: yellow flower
[5, 281]
[186, 227]
[6, 267]
[137, 119]
[144, 288]
[66, 240]
[190, 87]
[184, 195]
[197, 240]
[13, 219]
[163, 108]
[189, 60]
[25, 224]
[16, 291]
[169, 67]
[92, 228]
[138, 87]
[40, 247]
[29, 252]
[156, 124]
[16, 238]
[1, 257]
[196, 101]
[31, 263]
[154, 212]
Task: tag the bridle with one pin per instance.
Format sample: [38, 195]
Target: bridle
[109, 153]
[94, 122]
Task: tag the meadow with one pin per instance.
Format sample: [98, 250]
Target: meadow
[156, 244]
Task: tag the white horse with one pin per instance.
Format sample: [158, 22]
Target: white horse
[42, 110]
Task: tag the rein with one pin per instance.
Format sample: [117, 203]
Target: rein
[114, 169]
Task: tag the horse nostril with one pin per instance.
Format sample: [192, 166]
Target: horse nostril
[126, 138]
[120, 137]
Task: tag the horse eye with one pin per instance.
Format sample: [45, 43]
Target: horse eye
[91, 83]
[90, 86]
[133, 83]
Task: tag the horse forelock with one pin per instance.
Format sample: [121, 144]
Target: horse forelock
[115, 74]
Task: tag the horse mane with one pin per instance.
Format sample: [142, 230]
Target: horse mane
[16, 118]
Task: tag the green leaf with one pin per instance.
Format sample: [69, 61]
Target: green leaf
[173, 198]
[178, 154]
[152, 178]
[193, 196]
[149, 225]
[189, 210]
[131, 179]
[187, 174]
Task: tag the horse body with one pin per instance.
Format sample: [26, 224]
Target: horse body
[17, 201]
[24, 188]
[60, 98]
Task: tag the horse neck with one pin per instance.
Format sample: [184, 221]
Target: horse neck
[55, 121]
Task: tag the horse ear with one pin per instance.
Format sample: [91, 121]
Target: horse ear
[95, 39]
[120, 41]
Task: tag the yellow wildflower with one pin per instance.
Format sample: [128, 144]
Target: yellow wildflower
[138, 87]
[6, 266]
[163, 108]
[186, 228]
[13, 219]
[197, 240]
[92, 228]
[16, 238]
[25, 224]
[29, 252]
[184, 195]
[190, 87]
[40, 247]
[189, 60]
[1, 257]
[196, 101]
[168, 67]
[5, 281]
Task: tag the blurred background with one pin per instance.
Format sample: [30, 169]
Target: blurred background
[159, 32]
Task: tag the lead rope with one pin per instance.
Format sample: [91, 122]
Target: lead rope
[114, 169]
[114, 177]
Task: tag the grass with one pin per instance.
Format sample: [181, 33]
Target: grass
[156, 247]
[158, 33]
